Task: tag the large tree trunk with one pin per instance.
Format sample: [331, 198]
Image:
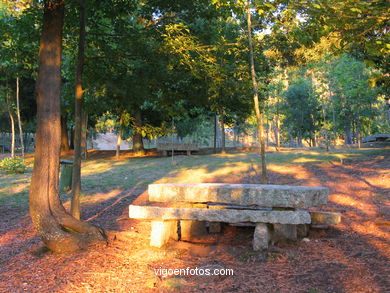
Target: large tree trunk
[64, 135]
[18, 115]
[259, 115]
[138, 144]
[59, 231]
[76, 175]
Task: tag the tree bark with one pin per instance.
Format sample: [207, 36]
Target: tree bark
[215, 133]
[84, 133]
[119, 139]
[348, 135]
[76, 176]
[223, 137]
[138, 144]
[59, 231]
[71, 143]
[277, 132]
[18, 116]
[12, 120]
[358, 133]
[259, 115]
[64, 135]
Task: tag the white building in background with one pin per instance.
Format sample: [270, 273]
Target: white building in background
[107, 142]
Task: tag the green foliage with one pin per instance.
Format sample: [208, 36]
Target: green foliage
[354, 99]
[106, 123]
[14, 165]
[302, 109]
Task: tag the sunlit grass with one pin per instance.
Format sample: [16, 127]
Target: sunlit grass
[103, 176]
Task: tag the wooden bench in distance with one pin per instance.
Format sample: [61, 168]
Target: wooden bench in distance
[166, 147]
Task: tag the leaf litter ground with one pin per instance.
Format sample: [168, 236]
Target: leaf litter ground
[353, 256]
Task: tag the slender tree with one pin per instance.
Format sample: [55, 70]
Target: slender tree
[76, 179]
[259, 115]
[12, 122]
[18, 116]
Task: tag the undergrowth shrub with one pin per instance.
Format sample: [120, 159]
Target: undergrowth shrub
[14, 165]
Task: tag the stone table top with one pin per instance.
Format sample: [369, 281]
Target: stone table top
[283, 196]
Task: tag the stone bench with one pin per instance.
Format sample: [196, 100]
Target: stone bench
[165, 220]
[275, 210]
[166, 147]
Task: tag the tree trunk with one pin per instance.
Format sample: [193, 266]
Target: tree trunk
[348, 135]
[223, 137]
[215, 133]
[91, 137]
[59, 231]
[138, 144]
[267, 133]
[277, 132]
[259, 115]
[119, 139]
[76, 176]
[71, 142]
[358, 133]
[18, 115]
[299, 139]
[64, 135]
[84, 132]
[235, 134]
[12, 120]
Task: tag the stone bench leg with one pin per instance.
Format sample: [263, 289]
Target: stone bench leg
[190, 229]
[162, 231]
[285, 231]
[215, 227]
[303, 230]
[261, 237]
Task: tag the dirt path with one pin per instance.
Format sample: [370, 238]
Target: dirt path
[353, 256]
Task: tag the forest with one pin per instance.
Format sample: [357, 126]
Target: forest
[321, 70]
[272, 92]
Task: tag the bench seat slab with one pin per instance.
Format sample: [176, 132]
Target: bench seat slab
[224, 215]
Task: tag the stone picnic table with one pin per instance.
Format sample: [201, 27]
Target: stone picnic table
[277, 211]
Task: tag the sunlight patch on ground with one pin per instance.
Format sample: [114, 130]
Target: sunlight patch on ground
[96, 167]
[382, 246]
[99, 197]
[349, 201]
[304, 160]
[201, 174]
[370, 229]
[297, 171]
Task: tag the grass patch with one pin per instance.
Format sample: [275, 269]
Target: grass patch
[103, 176]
